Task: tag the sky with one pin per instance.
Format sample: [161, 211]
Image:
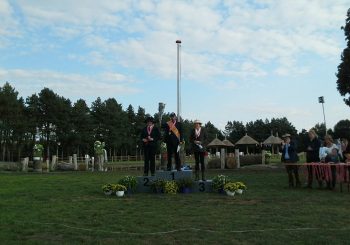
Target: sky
[240, 59]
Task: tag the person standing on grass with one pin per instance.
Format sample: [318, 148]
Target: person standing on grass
[346, 154]
[173, 138]
[312, 154]
[150, 136]
[198, 138]
[330, 154]
[290, 158]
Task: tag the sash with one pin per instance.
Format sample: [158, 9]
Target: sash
[173, 129]
[149, 130]
[197, 132]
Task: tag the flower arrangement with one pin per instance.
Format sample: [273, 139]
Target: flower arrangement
[185, 184]
[107, 188]
[119, 187]
[157, 186]
[219, 181]
[231, 186]
[267, 157]
[241, 186]
[170, 187]
[129, 182]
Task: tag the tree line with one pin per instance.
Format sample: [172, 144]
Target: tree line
[65, 128]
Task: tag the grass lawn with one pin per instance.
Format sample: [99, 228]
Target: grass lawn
[70, 208]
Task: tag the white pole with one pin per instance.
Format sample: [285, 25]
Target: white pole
[178, 42]
[324, 118]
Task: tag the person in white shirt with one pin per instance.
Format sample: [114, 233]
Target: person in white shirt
[329, 154]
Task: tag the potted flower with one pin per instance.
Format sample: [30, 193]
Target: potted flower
[267, 157]
[230, 188]
[157, 186]
[119, 189]
[185, 185]
[130, 182]
[170, 187]
[107, 189]
[218, 183]
[240, 187]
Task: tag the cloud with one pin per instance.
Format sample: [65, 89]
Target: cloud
[9, 27]
[222, 40]
[70, 85]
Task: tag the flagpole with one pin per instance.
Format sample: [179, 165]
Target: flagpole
[178, 42]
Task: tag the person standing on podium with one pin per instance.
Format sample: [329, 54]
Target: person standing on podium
[173, 138]
[198, 138]
[150, 136]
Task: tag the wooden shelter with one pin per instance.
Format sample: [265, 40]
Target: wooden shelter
[216, 143]
[273, 140]
[228, 143]
[247, 140]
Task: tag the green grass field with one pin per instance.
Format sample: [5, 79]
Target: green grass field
[70, 208]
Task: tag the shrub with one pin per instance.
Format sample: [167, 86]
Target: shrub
[170, 187]
[157, 186]
[119, 187]
[219, 181]
[230, 186]
[129, 182]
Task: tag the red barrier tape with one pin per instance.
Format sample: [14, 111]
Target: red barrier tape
[323, 171]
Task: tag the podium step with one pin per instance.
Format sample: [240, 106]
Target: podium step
[202, 186]
[173, 175]
[144, 183]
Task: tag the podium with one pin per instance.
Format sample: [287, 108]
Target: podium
[144, 182]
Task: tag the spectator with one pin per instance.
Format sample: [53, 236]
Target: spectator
[312, 154]
[290, 158]
[329, 154]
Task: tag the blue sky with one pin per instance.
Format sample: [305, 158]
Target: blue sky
[241, 60]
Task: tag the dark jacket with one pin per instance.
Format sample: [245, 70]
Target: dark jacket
[170, 137]
[155, 134]
[313, 155]
[292, 152]
[202, 138]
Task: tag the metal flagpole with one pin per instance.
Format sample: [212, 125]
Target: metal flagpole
[321, 100]
[178, 42]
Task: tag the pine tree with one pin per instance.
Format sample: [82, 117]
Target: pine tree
[343, 75]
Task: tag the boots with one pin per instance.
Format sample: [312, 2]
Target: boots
[196, 176]
[203, 176]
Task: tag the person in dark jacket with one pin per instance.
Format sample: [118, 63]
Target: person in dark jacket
[312, 154]
[290, 158]
[150, 136]
[198, 138]
[173, 137]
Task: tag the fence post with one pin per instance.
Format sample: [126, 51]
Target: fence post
[263, 153]
[92, 164]
[25, 164]
[86, 162]
[53, 163]
[238, 163]
[75, 161]
[223, 158]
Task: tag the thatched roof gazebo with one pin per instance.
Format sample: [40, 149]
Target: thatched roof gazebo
[228, 143]
[273, 140]
[216, 143]
[247, 140]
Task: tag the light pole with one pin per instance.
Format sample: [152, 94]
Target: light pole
[161, 107]
[58, 145]
[178, 43]
[321, 101]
